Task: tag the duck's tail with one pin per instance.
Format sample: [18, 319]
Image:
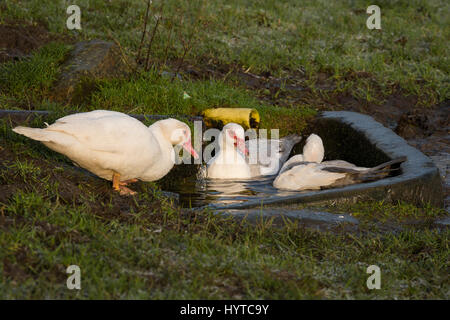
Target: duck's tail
[33, 133]
[354, 175]
[388, 165]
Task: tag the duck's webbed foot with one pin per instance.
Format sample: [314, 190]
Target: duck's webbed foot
[124, 191]
[126, 182]
[121, 185]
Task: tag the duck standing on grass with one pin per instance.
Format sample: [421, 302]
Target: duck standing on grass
[115, 146]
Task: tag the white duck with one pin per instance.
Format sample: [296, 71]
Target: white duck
[231, 161]
[308, 172]
[313, 151]
[115, 146]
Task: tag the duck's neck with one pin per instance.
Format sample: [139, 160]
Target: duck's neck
[229, 154]
[164, 144]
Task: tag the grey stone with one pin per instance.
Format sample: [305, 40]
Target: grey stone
[175, 197]
[88, 61]
[170, 75]
[445, 221]
[303, 214]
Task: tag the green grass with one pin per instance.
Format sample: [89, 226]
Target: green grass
[31, 79]
[147, 93]
[52, 216]
[387, 211]
[152, 94]
[308, 37]
[206, 257]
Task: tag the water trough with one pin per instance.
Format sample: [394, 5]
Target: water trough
[349, 136]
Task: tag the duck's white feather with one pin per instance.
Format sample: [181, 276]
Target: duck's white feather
[229, 163]
[270, 154]
[308, 176]
[266, 156]
[106, 142]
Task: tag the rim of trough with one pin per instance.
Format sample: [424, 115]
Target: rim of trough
[417, 167]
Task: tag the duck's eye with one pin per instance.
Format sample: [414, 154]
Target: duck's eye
[185, 132]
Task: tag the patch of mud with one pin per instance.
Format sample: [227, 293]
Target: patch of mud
[73, 186]
[429, 131]
[14, 267]
[292, 90]
[22, 265]
[18, 40]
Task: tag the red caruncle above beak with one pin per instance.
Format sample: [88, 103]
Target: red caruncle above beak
[240, 144]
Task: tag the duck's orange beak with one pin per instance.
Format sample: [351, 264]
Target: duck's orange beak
[188, 147]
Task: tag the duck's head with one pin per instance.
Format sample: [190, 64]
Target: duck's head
[177, 133]
[233, 135]
[313, 150]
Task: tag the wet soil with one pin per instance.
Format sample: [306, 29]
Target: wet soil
[19, 39]
[429, 131]
[74, 186]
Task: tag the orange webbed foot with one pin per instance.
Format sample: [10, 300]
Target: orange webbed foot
[121, 185]
[124, 191]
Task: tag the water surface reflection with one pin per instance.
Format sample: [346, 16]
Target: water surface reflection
[199, 191]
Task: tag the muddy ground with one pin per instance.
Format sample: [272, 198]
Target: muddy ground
[72, 183]
[18, 40]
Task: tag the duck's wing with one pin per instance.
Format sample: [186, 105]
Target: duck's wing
[105, 133]
[305, 176]
[339, 163]
[356, 174]
[292, 162]
[299, 160]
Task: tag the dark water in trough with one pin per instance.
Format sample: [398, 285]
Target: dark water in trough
[196, 191]
[199, 191]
